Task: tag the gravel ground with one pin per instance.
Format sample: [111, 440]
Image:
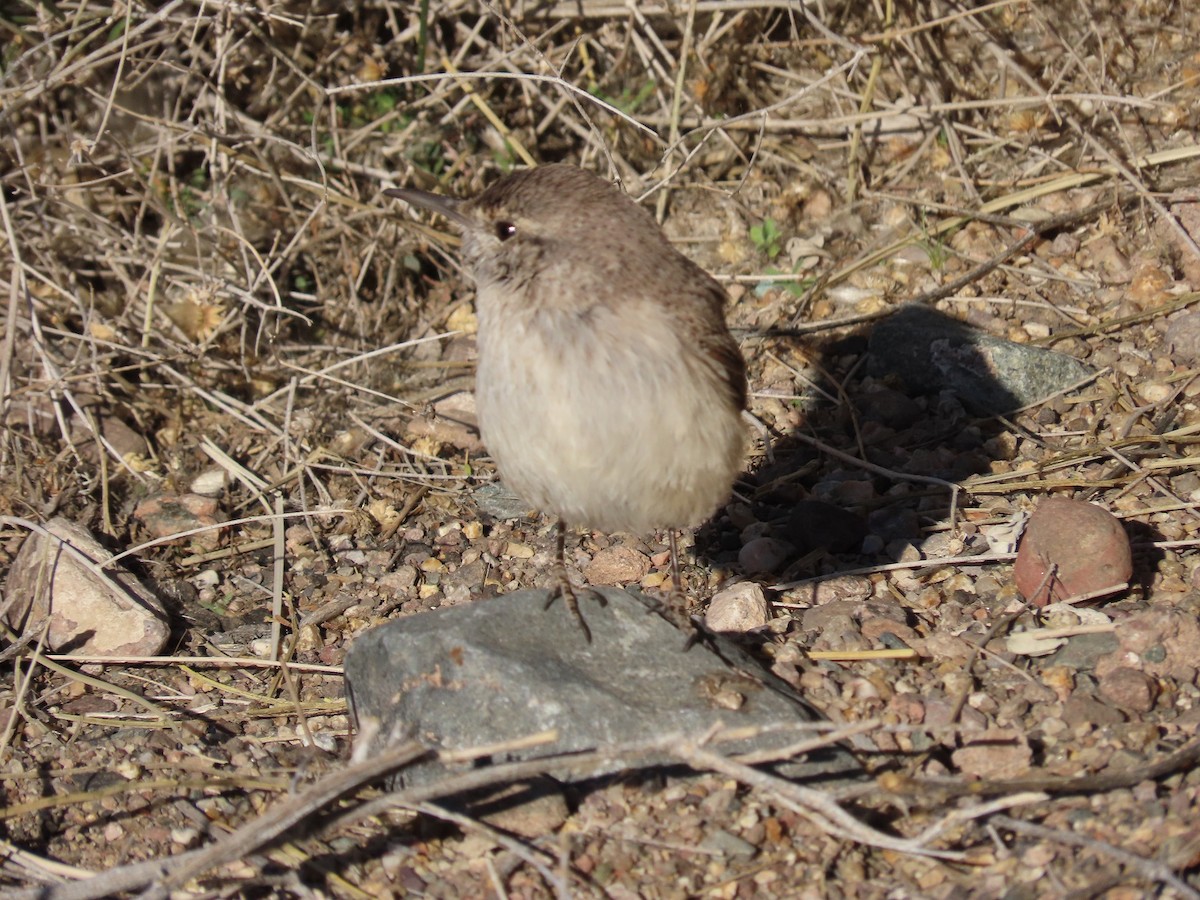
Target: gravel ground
[201, 271]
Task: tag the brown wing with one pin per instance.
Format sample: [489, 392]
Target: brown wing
[718, 344]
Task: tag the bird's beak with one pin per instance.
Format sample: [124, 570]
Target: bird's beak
[450, 207]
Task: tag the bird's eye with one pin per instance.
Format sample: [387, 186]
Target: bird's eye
[505, 230]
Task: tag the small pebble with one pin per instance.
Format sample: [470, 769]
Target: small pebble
[1037, 329]
[164, 515]
[1083, 710]
[815, 524]
[994, 754]
[890, 407]
[1065, 245]
[210, 483]
[1155, 391]
[727, 844]
[500, 503]
[837, 587]
[1130, 689]
[765, 555]
[739, 608]
[1148, 285]
[516, 550]
[617, 565]
[1183, 337]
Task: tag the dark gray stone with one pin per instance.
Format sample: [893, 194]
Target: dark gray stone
[506, 668]
[1083, 651]
[932, 352]
[892, 408]
[815, 524]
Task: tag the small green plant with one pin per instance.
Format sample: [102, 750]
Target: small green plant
[191, 191]
[767, 238]
[429, 156]
[937, 252]
[375, 109]
[505, 158]
[797, 288]
[935, 246]
[118, 29]
[629, 100]
[370, 109]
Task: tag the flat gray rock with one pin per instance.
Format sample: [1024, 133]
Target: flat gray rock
[932, 352]
[506, 668]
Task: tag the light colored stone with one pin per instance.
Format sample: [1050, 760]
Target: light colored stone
[838, 587]
[1155, 391]
[1183, 337]
[210, 482]
[739, 608]
[92, 611]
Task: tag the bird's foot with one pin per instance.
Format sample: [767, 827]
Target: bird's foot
[676, 608]
[566, 591]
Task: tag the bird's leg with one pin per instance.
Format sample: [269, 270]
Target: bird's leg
[678, 607]
[676, 581]
[563, 587]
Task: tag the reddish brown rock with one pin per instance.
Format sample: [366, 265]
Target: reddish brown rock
[1163, 641]
[1149, 285]
[170, 514]
[1085, 542]
[1129, 689]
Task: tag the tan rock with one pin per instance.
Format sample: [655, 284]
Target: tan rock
[996, 753]
[739, 608]
[91, 610]
[617, 565]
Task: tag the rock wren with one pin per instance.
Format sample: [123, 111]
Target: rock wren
[609, 389]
